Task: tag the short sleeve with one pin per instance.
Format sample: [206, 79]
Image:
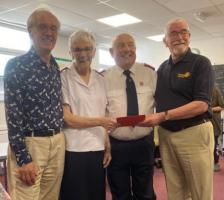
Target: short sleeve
[204, 80]
[65, 92]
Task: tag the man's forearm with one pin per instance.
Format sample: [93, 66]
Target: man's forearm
[188, 111]
[18, 146]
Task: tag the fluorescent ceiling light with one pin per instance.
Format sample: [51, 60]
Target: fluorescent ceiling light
[200, 16]
[119, 20]
[157, 38]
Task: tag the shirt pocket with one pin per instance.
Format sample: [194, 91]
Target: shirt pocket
[145, 100]
[117, 105]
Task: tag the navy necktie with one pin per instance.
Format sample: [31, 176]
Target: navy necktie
[132, 100]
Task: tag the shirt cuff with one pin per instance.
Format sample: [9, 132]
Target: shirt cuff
[23, 158]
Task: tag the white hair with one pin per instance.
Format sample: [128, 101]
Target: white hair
[81, 35]
[173, 21]
[31, 21]
[120, 35]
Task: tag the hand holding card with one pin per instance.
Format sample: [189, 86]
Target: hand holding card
[130, 120]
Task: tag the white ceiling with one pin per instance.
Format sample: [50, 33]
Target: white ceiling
[76, 14]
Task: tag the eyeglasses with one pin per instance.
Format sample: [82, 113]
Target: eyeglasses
[45, 28]
[175, 34]
[122, 45]
[79, 50]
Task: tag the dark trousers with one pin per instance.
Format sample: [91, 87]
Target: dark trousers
[130, 173]
[216, 154]
[84, 176]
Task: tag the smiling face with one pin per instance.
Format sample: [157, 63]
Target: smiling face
[44, 32]
[177, 38]
[82, 51]
[124, 51]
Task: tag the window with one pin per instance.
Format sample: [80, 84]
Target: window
[13, 42]
[14, 39]
[3, 60]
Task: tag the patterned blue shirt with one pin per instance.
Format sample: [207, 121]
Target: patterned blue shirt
[32, 100]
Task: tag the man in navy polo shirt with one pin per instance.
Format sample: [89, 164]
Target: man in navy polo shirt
[183, 105]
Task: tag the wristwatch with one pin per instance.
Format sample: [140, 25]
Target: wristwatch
[167, 116]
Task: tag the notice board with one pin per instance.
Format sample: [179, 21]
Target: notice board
[219, 77]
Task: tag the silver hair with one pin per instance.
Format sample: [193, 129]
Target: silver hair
[81, 35]
[120, 35]
[176, 20]
[31, 21]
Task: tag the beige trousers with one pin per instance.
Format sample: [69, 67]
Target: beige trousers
[187, 158]
[48, 153]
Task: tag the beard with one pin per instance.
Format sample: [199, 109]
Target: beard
[180, 50]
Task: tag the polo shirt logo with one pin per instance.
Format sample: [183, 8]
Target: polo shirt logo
[185, 75]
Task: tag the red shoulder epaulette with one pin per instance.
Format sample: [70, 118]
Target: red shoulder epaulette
[149, 66]
[100, 72]
[65, 68]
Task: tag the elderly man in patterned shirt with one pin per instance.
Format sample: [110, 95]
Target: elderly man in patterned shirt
[34, 114]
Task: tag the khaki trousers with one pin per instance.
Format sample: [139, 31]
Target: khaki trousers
[187, 158]
[48, 153]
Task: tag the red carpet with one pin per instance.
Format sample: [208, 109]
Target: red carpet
[160, 186]
[219, 182]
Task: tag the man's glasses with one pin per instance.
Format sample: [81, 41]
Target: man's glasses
[45, 28]
[175, 34]
[122, 45]
[79, 50]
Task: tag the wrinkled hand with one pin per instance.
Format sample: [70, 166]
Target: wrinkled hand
[107, 158]
[27, 173]
[152, 120]
[107, 153]
[109, 124]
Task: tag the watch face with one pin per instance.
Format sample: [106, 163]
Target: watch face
[196, 50]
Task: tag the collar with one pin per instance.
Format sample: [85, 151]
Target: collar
[92, 78]
[131, 69]
[187, 57]
[36, 57]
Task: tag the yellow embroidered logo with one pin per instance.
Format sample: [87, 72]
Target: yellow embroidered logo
[185, 75]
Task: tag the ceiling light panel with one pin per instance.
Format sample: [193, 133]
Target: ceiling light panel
[119, 20]
[157, 38]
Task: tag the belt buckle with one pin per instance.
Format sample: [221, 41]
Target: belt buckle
[52, 130]
[32, 134]
[204, 120]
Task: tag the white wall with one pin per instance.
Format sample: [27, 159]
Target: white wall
[213, 49]
[61, 48]
[152, 53]
[155, 54]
